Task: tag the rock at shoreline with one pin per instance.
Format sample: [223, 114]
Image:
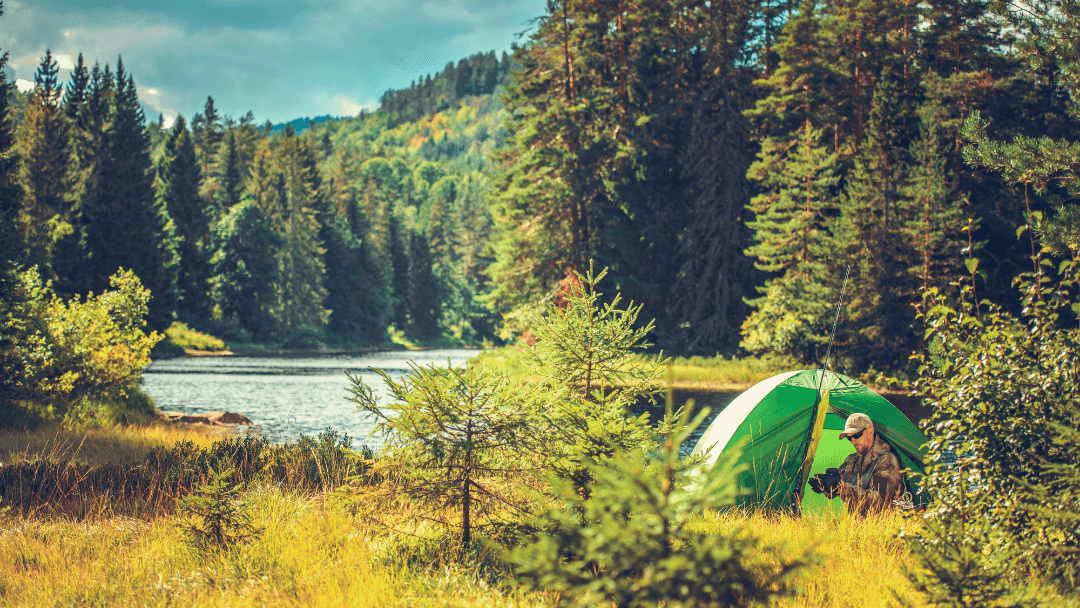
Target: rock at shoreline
[210, 418]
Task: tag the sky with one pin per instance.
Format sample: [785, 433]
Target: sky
[280, 60]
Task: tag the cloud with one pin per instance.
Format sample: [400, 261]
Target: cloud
[24, 85]
[64, 61]
[280, 60]
[343, 106]
[153, 98]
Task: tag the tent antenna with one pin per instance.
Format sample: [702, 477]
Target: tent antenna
[832, 335]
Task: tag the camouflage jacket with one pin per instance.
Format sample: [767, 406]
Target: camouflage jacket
[871, 480]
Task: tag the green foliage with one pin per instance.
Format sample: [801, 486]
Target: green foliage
[1003, 389]
[10, 193]
[214, 517]
[791, 320]
[245, 272]
[455, 441]
[637, 540]
[585, 360]
[959, 558]
[57, 354]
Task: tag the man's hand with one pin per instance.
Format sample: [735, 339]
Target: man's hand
[827, 483]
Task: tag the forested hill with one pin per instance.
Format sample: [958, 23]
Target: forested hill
[477, 75]
[728, 163]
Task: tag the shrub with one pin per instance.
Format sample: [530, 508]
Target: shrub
[182, 336]
[632, 542]
[58, 355]
[1005, 390]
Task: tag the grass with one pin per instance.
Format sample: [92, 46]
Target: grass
[717, 372]
[98, 446]
[312, 554]
[314, 550]
[138, 472]
[181, 336]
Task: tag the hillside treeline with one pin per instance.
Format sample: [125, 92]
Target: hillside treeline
[729, 160]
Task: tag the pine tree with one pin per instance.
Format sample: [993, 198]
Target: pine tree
[791, 215]
[552, 192]
[793, 242]
[933, 216]
[871, 237]
[207, 135]
[10, 193]
[123, 226]
[301, 294]
[177, 186]
[423, 293]
[230, 177]
[45, 147]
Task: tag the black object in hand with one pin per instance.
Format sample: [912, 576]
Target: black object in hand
[827, 483]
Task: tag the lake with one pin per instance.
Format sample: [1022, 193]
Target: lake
[287, 396]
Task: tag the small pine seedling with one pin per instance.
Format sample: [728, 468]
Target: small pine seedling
[214, 516]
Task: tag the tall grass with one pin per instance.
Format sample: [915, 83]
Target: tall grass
[313, 554]
[131, 475]
[307, 556]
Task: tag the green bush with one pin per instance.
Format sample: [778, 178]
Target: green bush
[1004, 392]
[633, 542]
[58, 356]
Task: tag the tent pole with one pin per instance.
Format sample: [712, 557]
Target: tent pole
[820, 409]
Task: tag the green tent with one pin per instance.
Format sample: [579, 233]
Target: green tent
[776, 417]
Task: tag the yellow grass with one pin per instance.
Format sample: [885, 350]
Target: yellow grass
[120, 444]
[857, 562]
[313, 552]
[307, 556]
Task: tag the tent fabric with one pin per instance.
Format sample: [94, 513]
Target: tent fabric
[771, 423]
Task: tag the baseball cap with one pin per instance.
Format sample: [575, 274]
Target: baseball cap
[855, 423]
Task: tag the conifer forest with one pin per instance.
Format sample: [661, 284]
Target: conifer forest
[729, 162]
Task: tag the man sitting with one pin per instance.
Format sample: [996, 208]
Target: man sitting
[868, 480]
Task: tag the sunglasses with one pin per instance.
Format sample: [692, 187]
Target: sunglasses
[855, 436]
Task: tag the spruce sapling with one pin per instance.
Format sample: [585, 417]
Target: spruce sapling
[634, 541]
[589, 372]
[214, 517]
[454, 445]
